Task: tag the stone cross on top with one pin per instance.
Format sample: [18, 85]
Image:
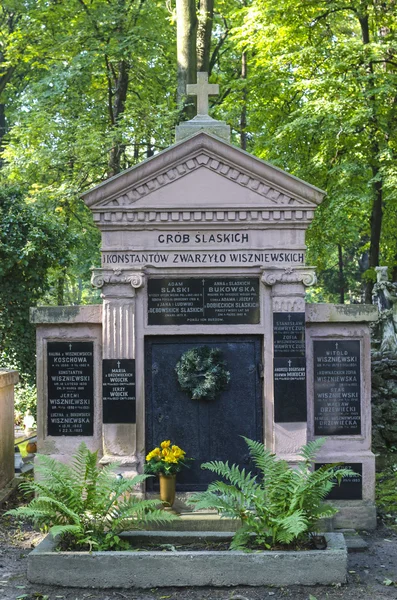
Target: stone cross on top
[202, 89]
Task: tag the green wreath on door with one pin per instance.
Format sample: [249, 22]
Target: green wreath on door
[202, 373]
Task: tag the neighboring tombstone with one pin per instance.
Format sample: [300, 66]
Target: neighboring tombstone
[8, 379]
[384, 364]
[384, 295]
[203, 245]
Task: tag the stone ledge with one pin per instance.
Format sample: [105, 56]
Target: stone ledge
[8, 490]
[8, 378]
[92, 313]
[188, 568]
[341, 313]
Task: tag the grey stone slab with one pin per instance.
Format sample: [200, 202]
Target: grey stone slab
[188, 568]
[8, 490]
[354, 542]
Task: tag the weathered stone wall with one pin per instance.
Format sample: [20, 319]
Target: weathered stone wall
[7, 381]
[384, 402]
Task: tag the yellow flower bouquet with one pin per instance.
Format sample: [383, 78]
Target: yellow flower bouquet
[168, 459]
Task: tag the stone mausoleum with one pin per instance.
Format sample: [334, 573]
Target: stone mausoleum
[203, 246]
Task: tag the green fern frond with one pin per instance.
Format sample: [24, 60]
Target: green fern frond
[282, 505]
[310, 450]
[291, 527]
[62, 530]
[241, 538]
[233, 473]
[86, 501]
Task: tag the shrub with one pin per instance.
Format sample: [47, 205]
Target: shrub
[85, 504]
[25, 402]
[279, 505]
[386, 495]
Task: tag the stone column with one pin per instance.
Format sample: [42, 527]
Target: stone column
[8, 379]
[119, 289]
[287, 292]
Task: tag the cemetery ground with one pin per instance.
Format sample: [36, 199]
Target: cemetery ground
[371, 574]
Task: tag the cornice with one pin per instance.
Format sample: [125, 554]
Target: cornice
[277, 216]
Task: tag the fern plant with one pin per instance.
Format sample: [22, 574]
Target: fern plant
[87, 504]
[280, 504]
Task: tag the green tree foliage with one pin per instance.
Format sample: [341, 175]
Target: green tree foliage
[321, 104]
[87, 504]
[85, 91]
[31, 242]
[279, 504]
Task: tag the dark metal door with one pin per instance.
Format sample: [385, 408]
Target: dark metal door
[206, 430]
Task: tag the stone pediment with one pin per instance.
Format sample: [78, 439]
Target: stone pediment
[206, 179]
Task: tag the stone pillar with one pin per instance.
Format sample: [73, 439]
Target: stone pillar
[119, 289]
[7, 381]
[287, 288]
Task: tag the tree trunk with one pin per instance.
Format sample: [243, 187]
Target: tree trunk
[204, 30]
[117, 108]
[243, 116]
[377, 202]
[341, 276]
[61, 288]
[186, 31]
[376, 229]
[3, 129]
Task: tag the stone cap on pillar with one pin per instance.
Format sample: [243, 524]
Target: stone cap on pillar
[289, 275]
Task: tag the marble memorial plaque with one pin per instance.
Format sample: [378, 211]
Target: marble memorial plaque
[217, 301]
[118, 391]
[351, 487]
[289, 334]
[70, 369]
[337, 387]
[290, 404]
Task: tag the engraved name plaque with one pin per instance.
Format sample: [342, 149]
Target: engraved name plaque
[217, 301]
[337, 387]
[118, 391]
[351, 486]
[289, 334]
[290, 404]
[70, 368]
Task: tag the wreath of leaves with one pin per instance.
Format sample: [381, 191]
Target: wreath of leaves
[202, 373]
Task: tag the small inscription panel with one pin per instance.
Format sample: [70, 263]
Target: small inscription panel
[351, 487]
[289, 334]
[221, 301]
[337, 392]
[118, 391]
[290, 404]
[70, 372]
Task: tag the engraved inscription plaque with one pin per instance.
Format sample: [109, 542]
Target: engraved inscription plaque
[289, 334]
[337, 391]
[70, 369]
[290, 390]
[118, 391]
[351, 487]
[290, 404]
[218, 301]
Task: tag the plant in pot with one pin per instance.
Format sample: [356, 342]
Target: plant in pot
[85, 505]
[166, 461]
[279, 506]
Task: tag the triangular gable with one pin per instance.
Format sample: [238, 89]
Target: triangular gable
[203, 179]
